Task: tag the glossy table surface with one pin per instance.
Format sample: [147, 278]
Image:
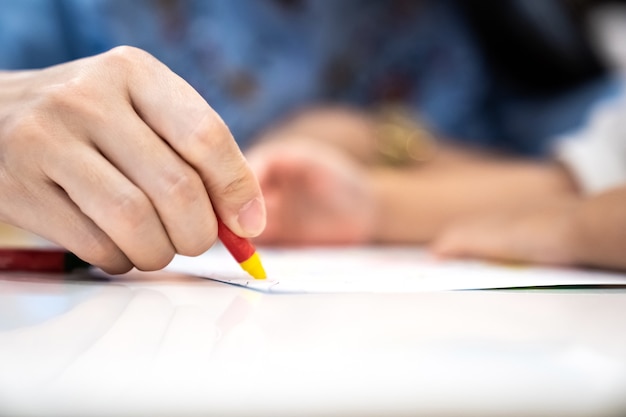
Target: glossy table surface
[165, 344]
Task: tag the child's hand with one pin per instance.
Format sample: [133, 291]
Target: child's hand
[536, 235]
[314, 194]
[118, 159]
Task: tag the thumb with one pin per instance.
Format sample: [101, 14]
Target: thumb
[237, 198]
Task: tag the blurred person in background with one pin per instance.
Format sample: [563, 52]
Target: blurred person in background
[365, 121]
[504, 168]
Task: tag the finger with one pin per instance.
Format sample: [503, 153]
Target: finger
[66, 225]
[174, 188]
[115, 205]
[476, 240]
[178, 114]
[498, 239]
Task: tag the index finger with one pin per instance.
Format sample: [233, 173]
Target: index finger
[179, 115]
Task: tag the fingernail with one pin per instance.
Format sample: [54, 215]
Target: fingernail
[251, 217]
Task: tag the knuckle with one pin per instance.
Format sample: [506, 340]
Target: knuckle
[76, 97]
[183, 187]
[70, 92]
[210, 135]
[23, 130]
[130, 208]
[237, 185]
[126, 58]
[23, 137]
[195, 247]
[240, 185]
[125, 53]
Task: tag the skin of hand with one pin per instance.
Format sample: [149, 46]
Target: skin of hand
[588, 231]
[120, 161]
[543, 234]
[315, 194]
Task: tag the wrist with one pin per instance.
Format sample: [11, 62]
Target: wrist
[399, 209]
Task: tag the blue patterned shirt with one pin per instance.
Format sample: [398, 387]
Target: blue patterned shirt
[256, 61]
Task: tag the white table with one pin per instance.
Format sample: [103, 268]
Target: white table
[164, 344]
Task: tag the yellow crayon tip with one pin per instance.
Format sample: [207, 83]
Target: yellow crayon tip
[253, 266]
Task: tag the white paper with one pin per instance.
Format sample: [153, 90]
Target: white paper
[380, 270]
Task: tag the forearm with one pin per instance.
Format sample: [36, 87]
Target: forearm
[415, 205]
[600, 230]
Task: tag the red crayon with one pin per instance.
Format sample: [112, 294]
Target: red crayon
[40, 260]
[242, 250]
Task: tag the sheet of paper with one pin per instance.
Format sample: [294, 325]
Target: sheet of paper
[379, 269]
